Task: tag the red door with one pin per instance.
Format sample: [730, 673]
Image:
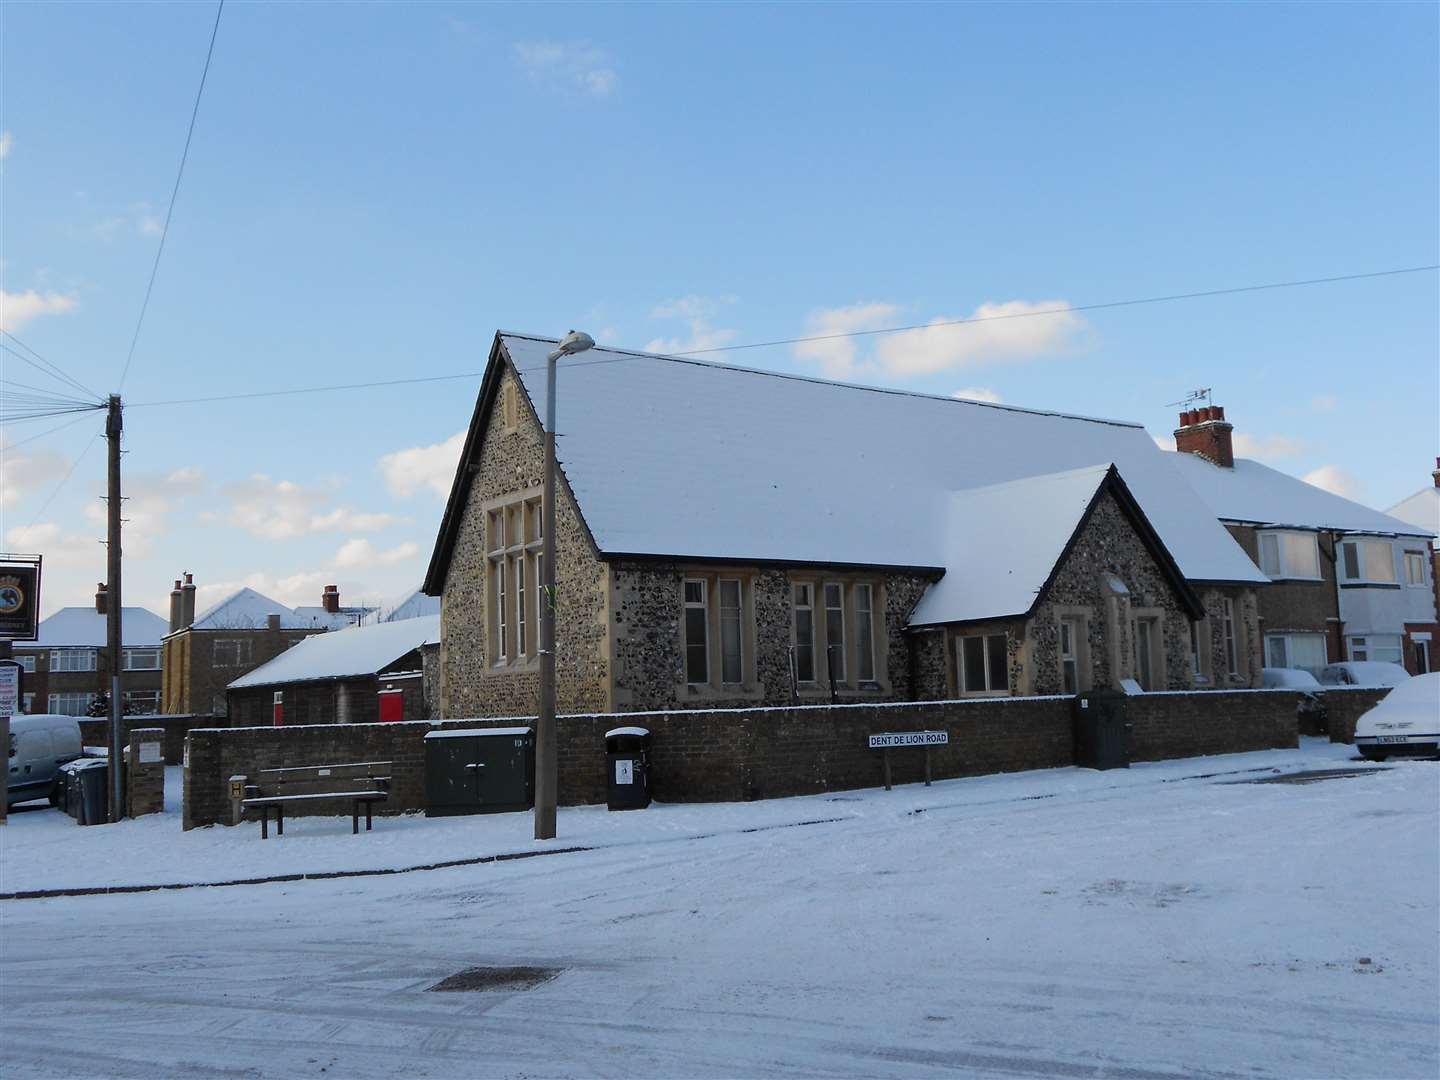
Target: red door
[392, 706]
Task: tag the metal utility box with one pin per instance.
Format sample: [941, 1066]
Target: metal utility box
[627, 764]
[1102, 730]
[479, 771]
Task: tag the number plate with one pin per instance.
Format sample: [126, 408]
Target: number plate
[1391, 738]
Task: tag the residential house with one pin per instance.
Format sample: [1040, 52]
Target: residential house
[728, 537]
[204, 654]
[1347, 582]
[358, 675]
[68, 665]
[1423, 509]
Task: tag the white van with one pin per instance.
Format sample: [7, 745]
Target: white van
[39, 745]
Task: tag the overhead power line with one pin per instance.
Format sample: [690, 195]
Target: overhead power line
[45, 367]
[796, 340]
[1067, 309]
[174, 192]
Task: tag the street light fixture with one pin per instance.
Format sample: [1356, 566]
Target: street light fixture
[546, 770]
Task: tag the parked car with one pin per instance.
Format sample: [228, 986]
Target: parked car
[1405, 724]
[1284, 678]
[39, 745]
[1363, 673]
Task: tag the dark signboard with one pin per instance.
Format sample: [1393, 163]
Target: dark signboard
[19, 597]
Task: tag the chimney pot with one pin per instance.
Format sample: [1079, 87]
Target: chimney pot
[175, 608]
[102, 597]
[1436, 474]
[187, 602]
[1184, 418]
[1218, 412]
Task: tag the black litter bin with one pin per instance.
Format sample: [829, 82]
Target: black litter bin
[87, 797]
[627, 763]
[1102, 730]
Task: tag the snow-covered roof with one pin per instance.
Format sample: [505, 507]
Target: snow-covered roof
[1257, 494]
[412, 607]
[84, 626]
[1422, 509]
[1037, 517]
[681, 458]
[250, 610]
[357, 650]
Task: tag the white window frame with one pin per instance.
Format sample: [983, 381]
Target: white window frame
[241, 647]
[59, 701]
[864, 632]
[1231, 638]
[960, 670]
[28, 704]
[513, 572]
[703, 606]
[732, 617]
[808, 607]
[26, 662]
[835, 671]
[1364, 564]
[72, 659]
[127, 658]
[150, 697]
[1415, 569]
[1072, 627]
[1274, 562]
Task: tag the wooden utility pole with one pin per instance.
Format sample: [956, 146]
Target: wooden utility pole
[113, 608]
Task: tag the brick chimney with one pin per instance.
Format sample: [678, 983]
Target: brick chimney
[187, 601]
[330, 599]
[1436, 474]
[175, 607]
[272, 622]
[102, 598]
[1207, 433]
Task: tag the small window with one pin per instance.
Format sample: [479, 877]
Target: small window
[984, 664]
[1290, 555]
[1414, 568]
[697, 641]
[26, 662]
[1232, 652]
[230, 652]
[502, 612]
[1070, 635]
[1196, 653]
[835, 631]
[140, 659]
[1149, 639]
[520, 595]
[1368, 561]
[141, 702]
[804, 633]
[72, 659]
[865, 633]
[77, 704]
[731, 620]
[1421, 654]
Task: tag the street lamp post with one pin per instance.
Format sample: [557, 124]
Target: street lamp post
[546, 770]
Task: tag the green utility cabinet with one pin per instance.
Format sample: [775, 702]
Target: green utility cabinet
[1102, 730]
[479, 771]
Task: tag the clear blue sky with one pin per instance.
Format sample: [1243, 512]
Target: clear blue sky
[373, 190]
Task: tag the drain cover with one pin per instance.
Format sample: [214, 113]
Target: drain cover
[497, 978]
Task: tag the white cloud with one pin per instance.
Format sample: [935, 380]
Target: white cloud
[150, 499]
[5, 143]
[422, 468]
[699, 313]
[17, 309]
[361, 552]
[283, 509]
[1323, 402]
[1335, 480]
[60, 548]
[1263, 447]
[1009, 331]
[977, 393]
[572, 66]
[26, 471]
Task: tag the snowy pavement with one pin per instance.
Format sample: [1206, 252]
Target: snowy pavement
[1159, 922]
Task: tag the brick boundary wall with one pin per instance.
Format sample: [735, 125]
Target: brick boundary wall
[735, 755]
[95, 731]
[144, 780]
[1346, 704]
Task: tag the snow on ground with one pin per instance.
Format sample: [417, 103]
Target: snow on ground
[1159, 922]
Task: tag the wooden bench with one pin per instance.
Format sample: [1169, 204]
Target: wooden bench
[364, 783]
